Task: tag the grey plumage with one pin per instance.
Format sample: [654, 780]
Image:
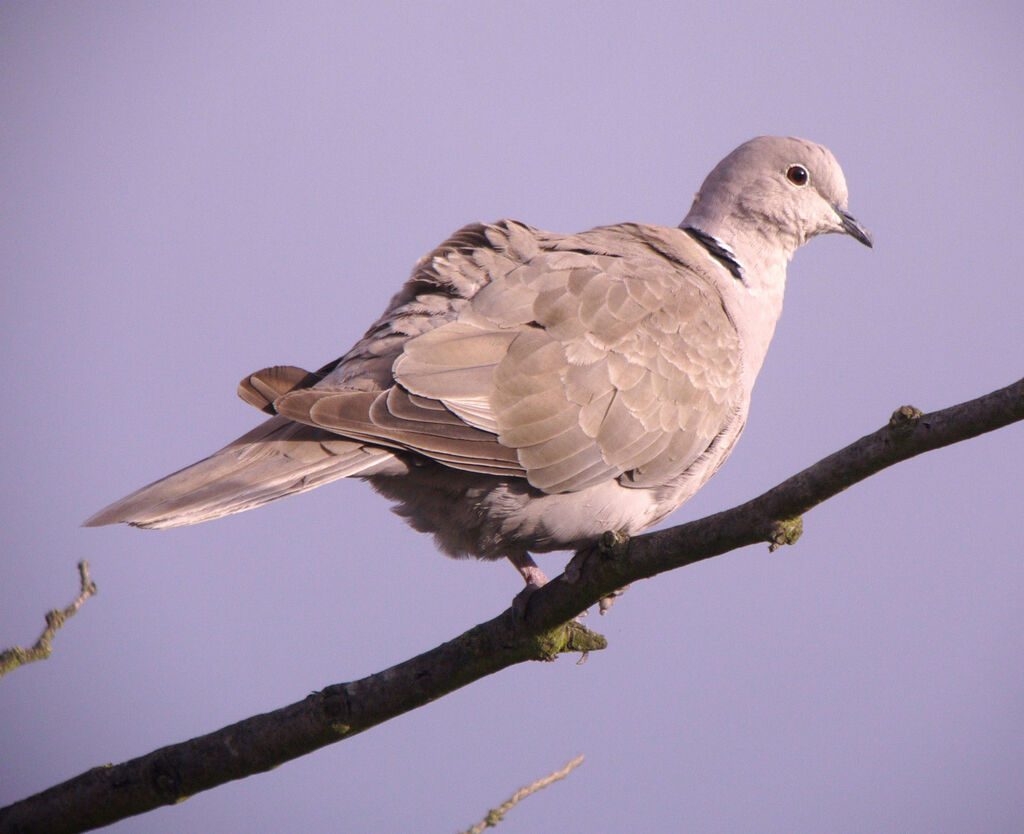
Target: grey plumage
[526, 391]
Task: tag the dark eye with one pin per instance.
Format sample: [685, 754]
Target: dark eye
[798, 175]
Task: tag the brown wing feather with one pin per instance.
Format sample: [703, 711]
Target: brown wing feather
[263, 387]
[569, 369]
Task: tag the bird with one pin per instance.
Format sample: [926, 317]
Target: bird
[526, 391]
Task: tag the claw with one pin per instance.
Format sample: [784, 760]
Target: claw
[605, 604]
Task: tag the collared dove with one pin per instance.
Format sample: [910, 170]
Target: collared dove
[527, 391]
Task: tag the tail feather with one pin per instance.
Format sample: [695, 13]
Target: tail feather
[276, 459]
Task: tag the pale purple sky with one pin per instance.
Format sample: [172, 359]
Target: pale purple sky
[191, 192]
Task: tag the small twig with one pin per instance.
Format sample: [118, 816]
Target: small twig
[496, 815]
[17, 656]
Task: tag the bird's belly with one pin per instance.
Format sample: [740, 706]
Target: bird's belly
[491, 518]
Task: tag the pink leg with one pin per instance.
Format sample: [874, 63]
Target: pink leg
[532, 575]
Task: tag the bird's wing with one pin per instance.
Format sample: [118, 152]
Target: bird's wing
[566, 367]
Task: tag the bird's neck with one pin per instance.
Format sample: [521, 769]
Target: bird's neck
[755, 305]
[757, 241]
[754, 298]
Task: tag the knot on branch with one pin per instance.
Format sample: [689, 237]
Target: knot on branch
[579, 638]
[613, 544]
[610, 548]
[903, 421]
[784, 532]
[166, 781]
[572, 637]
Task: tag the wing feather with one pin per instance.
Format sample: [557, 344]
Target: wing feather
[566, 367]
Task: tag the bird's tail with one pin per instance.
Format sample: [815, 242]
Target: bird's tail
[277, 458]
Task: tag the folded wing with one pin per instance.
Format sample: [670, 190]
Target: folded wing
[572, 369]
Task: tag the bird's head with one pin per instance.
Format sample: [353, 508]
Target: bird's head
[773, 194]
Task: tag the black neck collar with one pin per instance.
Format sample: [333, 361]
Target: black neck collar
[717, 251]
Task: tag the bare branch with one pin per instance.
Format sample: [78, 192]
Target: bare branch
[496, 815]
[17, 656]
[107, 794]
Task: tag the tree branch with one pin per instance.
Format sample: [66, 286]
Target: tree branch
[106, 794]
[17, 656]
[496, 815]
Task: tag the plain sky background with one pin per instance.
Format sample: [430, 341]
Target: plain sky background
[193, 191]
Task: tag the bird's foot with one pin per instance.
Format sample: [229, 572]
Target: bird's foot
[605, 604]
[612, 545]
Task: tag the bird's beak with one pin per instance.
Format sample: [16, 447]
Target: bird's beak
[853, 228]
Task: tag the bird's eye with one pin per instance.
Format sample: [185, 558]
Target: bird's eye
[798, 175]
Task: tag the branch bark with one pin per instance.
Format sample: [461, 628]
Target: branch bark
[545, 629]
